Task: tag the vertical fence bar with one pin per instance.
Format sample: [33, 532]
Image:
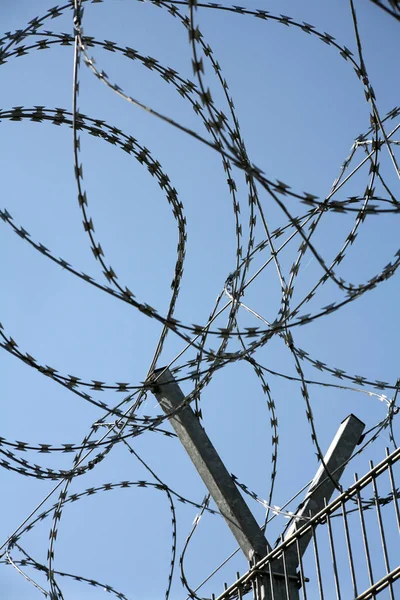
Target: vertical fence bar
[349, 551]
[395, 502]
[381, 530]
[285, 571]
[257, 589]
[239, 589]
[364, 534]
[317, 565]
[333, 554]
[302, 578]
[271, 582]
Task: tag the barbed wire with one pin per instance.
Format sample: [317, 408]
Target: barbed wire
[215, 347]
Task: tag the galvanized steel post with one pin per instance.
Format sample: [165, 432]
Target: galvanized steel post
[210, 467]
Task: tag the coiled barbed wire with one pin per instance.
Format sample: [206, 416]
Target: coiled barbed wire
[214, 347]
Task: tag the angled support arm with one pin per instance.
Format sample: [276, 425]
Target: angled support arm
[210, 467]
[284, 583]
[322, 486]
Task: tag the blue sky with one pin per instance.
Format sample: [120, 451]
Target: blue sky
[300, 107]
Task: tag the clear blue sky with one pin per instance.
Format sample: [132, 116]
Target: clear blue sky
[300, 107]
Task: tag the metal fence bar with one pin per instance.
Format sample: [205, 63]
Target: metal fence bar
[271, 581]
[333, 554]
[395, 502]
[285, 570]
[349, 550]
[380, 585]
[381, 530]
[302, 578]
[317, 564]
[240, 596]
[364, 535]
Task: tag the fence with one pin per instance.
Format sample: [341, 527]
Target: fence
[354, 549]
